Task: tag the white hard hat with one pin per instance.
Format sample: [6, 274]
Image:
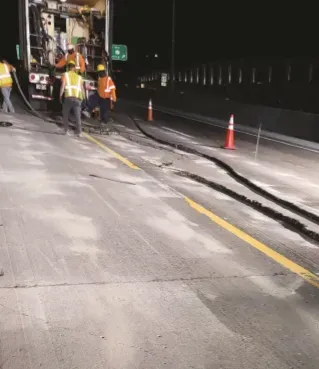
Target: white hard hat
[70, 47]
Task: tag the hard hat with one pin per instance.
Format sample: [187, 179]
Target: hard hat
[70, 47]
[71, 62]
[100, 67]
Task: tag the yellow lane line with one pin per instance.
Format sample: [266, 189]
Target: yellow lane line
[280, 259]
[274, 255]
[110, 151]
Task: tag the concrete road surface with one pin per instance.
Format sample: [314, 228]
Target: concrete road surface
[287, 169]
[105, 263]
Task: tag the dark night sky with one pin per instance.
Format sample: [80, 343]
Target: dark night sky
[209, 30]
[205, 30]
[9, 30]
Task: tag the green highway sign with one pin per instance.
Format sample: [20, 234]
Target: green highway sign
[119, 52]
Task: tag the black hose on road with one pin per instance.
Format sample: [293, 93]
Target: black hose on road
[239, 178]
[293, 224]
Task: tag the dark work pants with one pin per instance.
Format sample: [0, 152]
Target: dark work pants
[94, 101]
[72, 104]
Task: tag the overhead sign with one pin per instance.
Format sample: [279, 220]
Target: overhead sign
[119, 52]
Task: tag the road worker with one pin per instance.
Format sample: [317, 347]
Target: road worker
[72, 87]
[76, 57]
[6, 85]
[105, 96]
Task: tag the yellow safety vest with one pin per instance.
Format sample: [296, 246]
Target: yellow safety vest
[5, 76]
[73, 85]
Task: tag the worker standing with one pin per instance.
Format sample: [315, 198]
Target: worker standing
[105, 96]
[6, 85]
[74, 56]
[72, 87]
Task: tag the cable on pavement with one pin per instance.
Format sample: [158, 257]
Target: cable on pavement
[292, 223]
[235, 175]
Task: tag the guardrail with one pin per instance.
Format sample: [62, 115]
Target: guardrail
[287, 122]
[243, 72]
[291, 84]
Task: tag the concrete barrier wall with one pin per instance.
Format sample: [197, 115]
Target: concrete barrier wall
[286, 122]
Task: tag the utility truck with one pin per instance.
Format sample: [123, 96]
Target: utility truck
[46, 28]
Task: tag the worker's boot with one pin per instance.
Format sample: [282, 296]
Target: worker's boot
[86, 113]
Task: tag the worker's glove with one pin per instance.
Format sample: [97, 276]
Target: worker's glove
[112, 105]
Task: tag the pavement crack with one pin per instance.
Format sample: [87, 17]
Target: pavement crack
[111, 179]
[155, 280]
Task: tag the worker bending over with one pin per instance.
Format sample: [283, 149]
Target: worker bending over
[105, 94]
[72, 87]
[6, 85]
[74, 56]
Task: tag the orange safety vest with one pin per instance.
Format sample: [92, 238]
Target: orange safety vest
[106, 88]
[5, 76]
[76, 57]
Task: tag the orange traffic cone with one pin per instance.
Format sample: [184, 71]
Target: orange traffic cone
[230, 137]
[150, 111]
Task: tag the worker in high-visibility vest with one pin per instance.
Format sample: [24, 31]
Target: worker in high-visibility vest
[75, 56]
[105, 96]
[73, 90]
[6, 85]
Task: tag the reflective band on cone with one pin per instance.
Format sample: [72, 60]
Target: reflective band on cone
[230, 136]
[150, 111]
